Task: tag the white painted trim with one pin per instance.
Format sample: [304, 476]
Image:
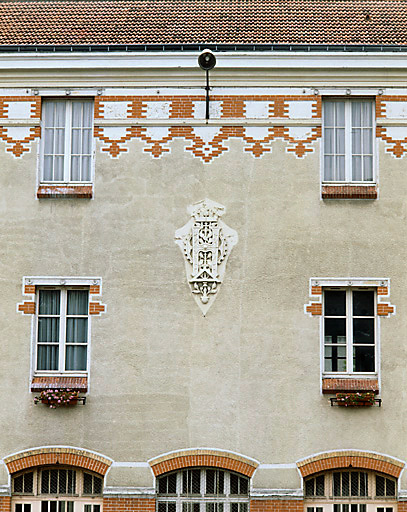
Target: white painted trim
[277, 466]
[130, 465]
[272, 121]
[62, 281]
[56, 446]
[183, 60]
[137, 491]
[282, 493]
[348, 282]
[203, 448]
[20, 122]
[349, 450]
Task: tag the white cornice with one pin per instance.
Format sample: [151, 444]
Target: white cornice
[182, 60]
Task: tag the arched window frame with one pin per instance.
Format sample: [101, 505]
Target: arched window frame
[185, 499]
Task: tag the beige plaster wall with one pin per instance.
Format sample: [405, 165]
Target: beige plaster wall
[247, 376]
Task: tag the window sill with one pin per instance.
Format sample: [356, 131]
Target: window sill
[65, 191]
[331, 386]
[58, 382]
[347, 191]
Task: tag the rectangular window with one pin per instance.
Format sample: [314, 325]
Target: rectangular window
[348, 127]
[349, 331]
[62, 330]
[67, 140]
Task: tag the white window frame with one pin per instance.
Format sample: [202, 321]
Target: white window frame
[349, 330]
[63, 316]
[348, 141]
[59, 282]
[67, 144]
[202, 498]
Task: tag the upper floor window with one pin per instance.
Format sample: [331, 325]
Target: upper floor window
[202, 490]
[349, 327]
[62, 329]
[348, 140]
[51, 489]
[67, 140]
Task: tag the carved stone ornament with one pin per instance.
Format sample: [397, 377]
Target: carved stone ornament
[206, 243]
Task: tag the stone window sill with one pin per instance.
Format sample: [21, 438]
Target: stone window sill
[331, 386]
[58, 382]
[349, 191]
[65, 191]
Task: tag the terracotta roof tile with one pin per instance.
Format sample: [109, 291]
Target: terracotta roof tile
[94, 22]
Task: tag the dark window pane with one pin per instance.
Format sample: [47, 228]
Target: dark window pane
[354, 484]
[320, 485]
[96, 508]
[27, 507]
[345, 484]
[62, 481]
[244, 488]
[44, 506]
[335, 303]
[390, 487]
[337, 508]
[53, 506]
[337, 484]
[18, 507]
[363, 359]
[77, 302]
[363, 303]
[353, 508]
[379, 486]
[28, 482]
[234, 484]
[49, 301]
[71, 481]
[363, 330]
[87, 483]
[45, 482]
[362, 508]
[335, 330]
[210, 481]
[309, 487]
[172, 507]
[363, 484]
[162, 505]
[18, 484]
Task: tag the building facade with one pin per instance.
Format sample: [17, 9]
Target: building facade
[203, 313]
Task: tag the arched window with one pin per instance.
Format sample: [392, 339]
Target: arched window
[56, 489]
[202, 490]
[350, 490]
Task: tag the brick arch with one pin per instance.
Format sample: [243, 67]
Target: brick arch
[57, 455]
[350, 458]
[203, 457]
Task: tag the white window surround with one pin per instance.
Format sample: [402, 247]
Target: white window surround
[59, 282]
[67, 148]
[347, 149]
[350, 284]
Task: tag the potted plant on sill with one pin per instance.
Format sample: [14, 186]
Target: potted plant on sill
[355, 399]
[54, 398]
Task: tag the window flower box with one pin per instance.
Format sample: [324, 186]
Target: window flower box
[54, 398]
[355, 399]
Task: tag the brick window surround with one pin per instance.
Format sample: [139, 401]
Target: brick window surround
[350, 458]
[203, 457]
[58, 455]
[349, 192]
[65, 191]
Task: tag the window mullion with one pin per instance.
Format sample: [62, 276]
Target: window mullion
[349, 331]
[68, 141]
[348, 141]
[62, 332]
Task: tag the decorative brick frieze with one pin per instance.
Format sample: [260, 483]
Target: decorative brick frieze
[58, 455]
[19, 138]
[65, 191]
[277, 505]
[334, 385]
[57, 382]
[349, 192]
[350, 458]
[5, 503]
[20, 107]
[203, 457]
[128, 504]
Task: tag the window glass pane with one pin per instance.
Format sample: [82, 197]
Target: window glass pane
[339, 113]
[49, 301]
[335, 359]
[77, 302]
[340, 168]
[77, 330]
[48, 330]
[47, 357]
[337, 484]
[77, 114]
[97, 485]
[335, 302]
[44, 506]
[28, 482]
[356, 168]
[362, 484]
[354, 488]
[18, 484]
[363, 303]
[62, 487]
[340, 141]
[87, 483]
[345, 484]
[309, 487]
[368, 168]
[85, 168]
[390, 487]
[367, 141]
[379, 486]
[363, 330]
[335, 330]
[59, 168]
[329, 146]
[329, 113]
[75, 168]
[363, 359]
[329, 168]
[27, 507]
[356, 113]
[320, 485]
[76, 358]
